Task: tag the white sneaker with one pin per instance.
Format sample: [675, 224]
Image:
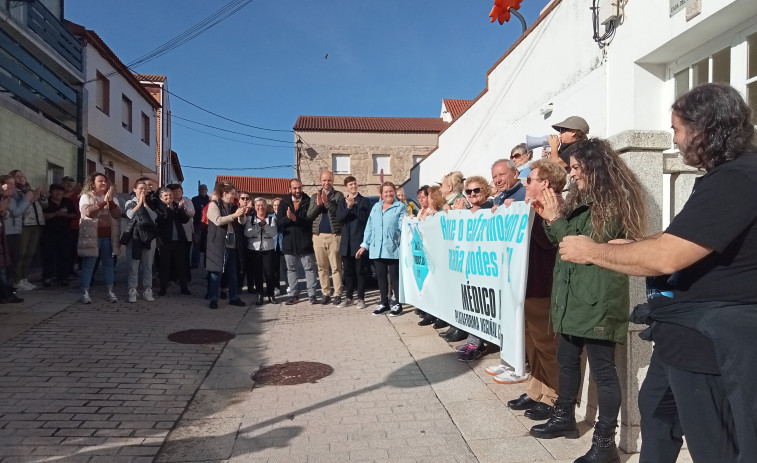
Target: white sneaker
[511, 378]
[85, 299]
[345, 303]
[495, 370]
[147, 295]
[396, 310]
[360, 304]
[111, 297]
[24, 285]
[132, 295]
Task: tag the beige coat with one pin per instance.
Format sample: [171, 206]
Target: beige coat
[87, 245]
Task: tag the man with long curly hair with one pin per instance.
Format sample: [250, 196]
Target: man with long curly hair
[701, 377]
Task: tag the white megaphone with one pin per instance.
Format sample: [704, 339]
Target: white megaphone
[536, 142]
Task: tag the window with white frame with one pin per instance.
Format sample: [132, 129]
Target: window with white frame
[714, 68]
[751, 75]
[340, 163]
[102, 93]
[728, 59]
[418, 158]
[381, 164]
[54, 173]
[126, 113]
[146, 129]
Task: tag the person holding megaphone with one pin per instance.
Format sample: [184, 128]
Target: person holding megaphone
[570, 131]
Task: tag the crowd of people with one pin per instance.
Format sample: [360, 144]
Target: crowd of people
[586, 240]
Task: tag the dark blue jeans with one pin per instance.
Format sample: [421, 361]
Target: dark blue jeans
[230, 269]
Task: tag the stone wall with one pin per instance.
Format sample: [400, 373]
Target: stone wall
[318, 157]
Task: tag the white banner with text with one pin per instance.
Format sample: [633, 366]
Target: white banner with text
[470, 269]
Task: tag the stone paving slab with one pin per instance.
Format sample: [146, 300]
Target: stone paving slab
[101, 383]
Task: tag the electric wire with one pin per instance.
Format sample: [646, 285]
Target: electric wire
[227, 138]
[236, 168]
[230, 131]
[194, 31]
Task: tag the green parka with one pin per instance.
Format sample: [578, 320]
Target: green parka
[587, 300]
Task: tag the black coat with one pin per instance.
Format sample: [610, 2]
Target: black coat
[297, 235]
[353, 222]
[170, 218]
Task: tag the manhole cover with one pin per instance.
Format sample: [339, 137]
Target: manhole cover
[200, 336]
[292, 373]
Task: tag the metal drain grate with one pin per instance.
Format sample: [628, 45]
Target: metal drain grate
[200, 336]
[290, 373]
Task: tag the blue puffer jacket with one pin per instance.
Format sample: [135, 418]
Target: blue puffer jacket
[383, 230]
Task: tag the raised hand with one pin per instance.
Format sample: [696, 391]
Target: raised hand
[290, 215]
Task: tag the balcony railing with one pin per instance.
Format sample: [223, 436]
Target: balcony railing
[40, 20]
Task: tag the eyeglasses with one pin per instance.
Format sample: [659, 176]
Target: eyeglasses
[244, 198]
[473, 191]
[528, 180]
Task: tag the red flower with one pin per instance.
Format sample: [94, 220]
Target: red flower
[501, 10]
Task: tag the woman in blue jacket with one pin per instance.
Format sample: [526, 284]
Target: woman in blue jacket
[382, 240]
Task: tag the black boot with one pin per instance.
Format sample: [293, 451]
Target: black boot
[562, 423]
[603, 449]
[450, 330]
[439, 324]
[455, 335]
[427, 320]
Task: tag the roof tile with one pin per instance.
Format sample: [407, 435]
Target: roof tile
[370, 124]
[257, 185]
[457, 107]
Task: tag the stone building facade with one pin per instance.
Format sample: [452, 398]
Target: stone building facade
[367, 148]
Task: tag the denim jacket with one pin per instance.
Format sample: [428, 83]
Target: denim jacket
[383, 230]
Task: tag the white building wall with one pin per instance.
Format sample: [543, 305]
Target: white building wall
[625, 86]
[107, 127]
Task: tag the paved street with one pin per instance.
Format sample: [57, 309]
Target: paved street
[102, 383]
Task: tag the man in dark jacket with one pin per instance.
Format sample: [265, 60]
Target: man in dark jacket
[700, 381]
[327, 237]
[352, 213]
[297, 243]
[171, 219]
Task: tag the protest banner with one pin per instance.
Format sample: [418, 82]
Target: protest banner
[469, 269]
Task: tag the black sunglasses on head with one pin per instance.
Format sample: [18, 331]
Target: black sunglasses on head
[473, 191]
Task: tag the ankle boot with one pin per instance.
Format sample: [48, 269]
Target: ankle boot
[562, 423]
[603, 449]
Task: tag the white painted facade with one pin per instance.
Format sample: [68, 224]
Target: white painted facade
[110, 145]
[628, 85]
[624, 91]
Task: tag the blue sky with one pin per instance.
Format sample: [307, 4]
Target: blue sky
[265, 65]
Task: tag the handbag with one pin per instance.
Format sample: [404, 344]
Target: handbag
[127, 234]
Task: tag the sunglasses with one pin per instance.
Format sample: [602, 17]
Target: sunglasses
[473, 191]
[563, 130]
[516, 155]
[244, 198]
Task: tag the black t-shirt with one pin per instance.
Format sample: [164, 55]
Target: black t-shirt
[59, 224]
[721, 214]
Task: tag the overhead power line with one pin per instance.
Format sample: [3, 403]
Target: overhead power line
[227, 138]
[206, 24]
[231, 131]
[237, 168]
[226, 118]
